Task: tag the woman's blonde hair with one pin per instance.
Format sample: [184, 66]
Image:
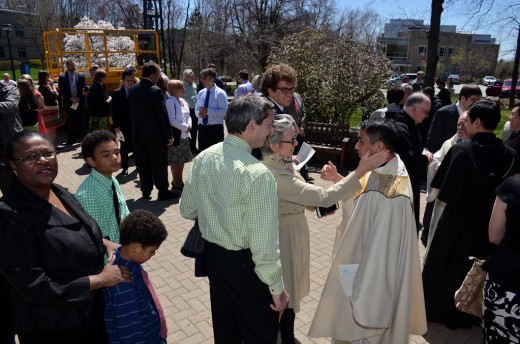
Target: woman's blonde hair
[174, 85]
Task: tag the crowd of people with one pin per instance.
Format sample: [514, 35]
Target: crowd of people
[71, 265]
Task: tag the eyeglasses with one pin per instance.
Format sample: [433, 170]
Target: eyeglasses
[32, 158]
[286, 90]
[426, 111]
[293, 140]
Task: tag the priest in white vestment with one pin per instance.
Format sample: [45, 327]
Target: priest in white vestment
[383, 301]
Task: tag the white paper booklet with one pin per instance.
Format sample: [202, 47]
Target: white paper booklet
[347, 274]
[304, 155]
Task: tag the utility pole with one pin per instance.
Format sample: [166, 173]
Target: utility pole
[8, 28]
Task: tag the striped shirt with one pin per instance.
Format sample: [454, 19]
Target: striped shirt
[233, 195]
[95, 195]
[130, 312]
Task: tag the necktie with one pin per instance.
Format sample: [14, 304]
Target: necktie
[73, 90]
[115, 199]
[206, 104]
[162, 319]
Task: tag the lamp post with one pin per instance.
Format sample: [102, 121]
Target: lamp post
[8, 28]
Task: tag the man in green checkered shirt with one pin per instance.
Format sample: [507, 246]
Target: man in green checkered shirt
[233, 196]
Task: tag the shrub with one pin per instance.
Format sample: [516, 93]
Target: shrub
[336, 75]
[35, 63]
[6, 64]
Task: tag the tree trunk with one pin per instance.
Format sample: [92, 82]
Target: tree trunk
[514, 77]
[433, 43]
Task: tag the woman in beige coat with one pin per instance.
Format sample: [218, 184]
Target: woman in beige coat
[294, 196]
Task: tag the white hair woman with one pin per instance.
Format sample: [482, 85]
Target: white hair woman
[294, 196]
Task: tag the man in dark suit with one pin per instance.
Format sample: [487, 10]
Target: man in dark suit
[121, 117]
[410, 147]
[71, 85]
[444, 122]
[151, 133]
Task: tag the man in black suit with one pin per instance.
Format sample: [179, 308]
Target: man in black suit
[121, 117]
[410, 147]
[151, 133]
[71, 85]
[444, 122]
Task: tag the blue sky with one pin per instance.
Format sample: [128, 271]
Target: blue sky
[455, 13]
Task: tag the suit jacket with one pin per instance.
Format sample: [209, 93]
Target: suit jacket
[97, 104]
[10, 121]
[47, 257]
[443, 127]
[121, 111]
[149, 115]
[64, 87]
[409, 147]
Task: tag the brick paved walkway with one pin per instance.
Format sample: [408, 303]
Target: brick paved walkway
[185, 298]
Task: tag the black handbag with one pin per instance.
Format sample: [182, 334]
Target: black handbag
[195, 247]
[176, 133]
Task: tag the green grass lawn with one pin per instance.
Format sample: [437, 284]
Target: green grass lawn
[34, 73]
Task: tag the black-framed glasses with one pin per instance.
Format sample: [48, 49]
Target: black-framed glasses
[286, 90]
[293, 140]
[32, 158]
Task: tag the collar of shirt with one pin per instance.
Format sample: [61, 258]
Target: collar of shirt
[459, 109]
[133, 267]
[212, 89]
[103, 180]
[277, 105]
[239, 143]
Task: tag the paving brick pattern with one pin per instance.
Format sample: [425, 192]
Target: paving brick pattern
[185, 298]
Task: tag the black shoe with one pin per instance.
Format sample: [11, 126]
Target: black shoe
[146, 196]
[69, 142]
[125, 172]
[166, 195]
[310, 179]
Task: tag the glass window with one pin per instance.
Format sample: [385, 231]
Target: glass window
[22, 52]
[19, 32]
[423, 50]
[442, 51]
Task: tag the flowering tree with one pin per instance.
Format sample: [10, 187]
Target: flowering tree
[96, 42]
[336, 75]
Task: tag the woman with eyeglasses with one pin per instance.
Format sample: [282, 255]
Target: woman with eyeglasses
[179, 115]
[294, 196]
[51, 253]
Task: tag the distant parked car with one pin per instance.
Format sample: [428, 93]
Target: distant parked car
[488, 80]
[494, 89]
[507, 88]
[454, 79]
[398, 80]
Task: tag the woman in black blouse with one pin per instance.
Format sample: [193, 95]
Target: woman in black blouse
[28, 105]
[501, 320]
[51, 253]
[99, 103]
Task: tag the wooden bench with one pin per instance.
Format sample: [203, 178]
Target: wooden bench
[328, 138]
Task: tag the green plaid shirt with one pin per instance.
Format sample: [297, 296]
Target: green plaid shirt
[95, 195]
[234, 197]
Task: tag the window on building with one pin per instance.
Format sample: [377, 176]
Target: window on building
[451, 51]
[442, 51]
[22, 52]
[423, 50]
[396, 48]
[2, 53]
[19, 31]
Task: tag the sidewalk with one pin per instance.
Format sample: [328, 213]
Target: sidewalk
[185, 298]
